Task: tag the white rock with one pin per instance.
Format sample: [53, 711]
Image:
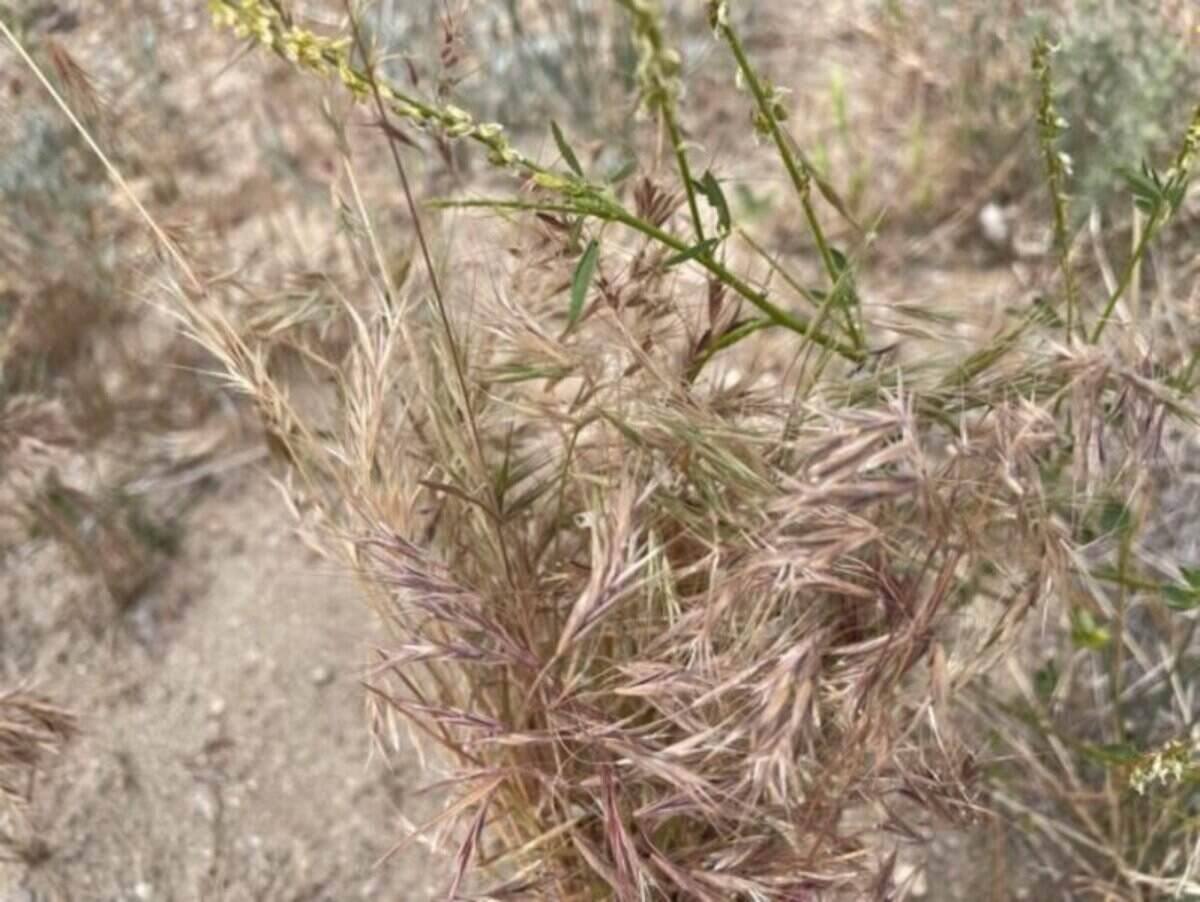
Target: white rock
[993, 222]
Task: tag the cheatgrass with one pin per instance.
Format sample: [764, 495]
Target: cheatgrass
[689, 568]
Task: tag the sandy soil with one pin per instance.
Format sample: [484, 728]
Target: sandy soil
[225, 752]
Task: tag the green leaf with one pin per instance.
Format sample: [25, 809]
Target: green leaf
[1181, 598]
[515, 372]
[1045, 680]
[582, 280]
[841, 263]
[1184, 596]
[1147, 187]
[1113, 753]
[1115, 517]
[564, 148]
[711, 189]
[696, 250]
[846, 293]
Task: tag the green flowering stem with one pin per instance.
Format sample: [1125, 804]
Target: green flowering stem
[798, 169]
[1165, 203]
[684, 172]
[1127, 275]
[1050, 126]
[613, 212]
[263, 22]
[658, 71]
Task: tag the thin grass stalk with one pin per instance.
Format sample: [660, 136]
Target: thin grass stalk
[1050, 126]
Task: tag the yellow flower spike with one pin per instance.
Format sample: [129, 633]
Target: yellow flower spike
[331, 56]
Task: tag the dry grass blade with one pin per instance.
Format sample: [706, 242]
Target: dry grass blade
[32, 730]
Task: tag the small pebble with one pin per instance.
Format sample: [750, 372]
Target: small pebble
[908, 875]
[321, 676]
[994, 225]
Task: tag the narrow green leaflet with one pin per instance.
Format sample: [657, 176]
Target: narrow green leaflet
[841, 262]
[1184, 596]
[845, 292]
[582, 280]
[711, 189]
[564, 148]
[696, 250]
[1045, 680]
[1151, 192]
[1113, 754]
[1147, 191]
[844, 276]
[1115, 516]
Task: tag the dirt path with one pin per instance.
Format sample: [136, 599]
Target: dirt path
[226, 752]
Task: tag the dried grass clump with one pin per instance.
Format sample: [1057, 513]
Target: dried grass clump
[686, 634]
[32, 730]
[1094, 718]
[675, 637]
